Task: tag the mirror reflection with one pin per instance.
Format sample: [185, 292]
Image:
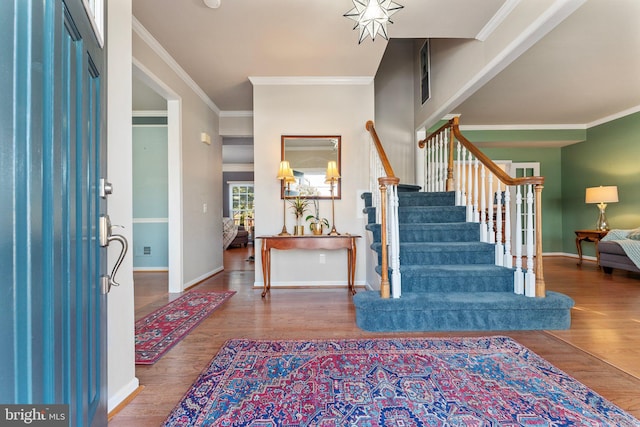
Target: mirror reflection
[308, 157]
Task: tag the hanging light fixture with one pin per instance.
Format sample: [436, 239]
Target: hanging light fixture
[372, 16]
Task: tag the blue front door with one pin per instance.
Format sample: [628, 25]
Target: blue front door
[52, 146]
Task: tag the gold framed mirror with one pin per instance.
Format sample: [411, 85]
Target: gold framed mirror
[308, 157]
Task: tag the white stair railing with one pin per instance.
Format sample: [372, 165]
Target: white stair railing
[384, 190]
[470, 172]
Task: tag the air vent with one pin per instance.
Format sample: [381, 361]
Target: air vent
[147, 250]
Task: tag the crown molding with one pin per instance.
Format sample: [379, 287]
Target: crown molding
[615, 116]
[308, 81]
[155, 45]
[497, 19]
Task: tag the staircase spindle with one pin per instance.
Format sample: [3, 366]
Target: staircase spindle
[476, 214]
[483, 206]
[499, 247]
[458, 177]
[530, 277]
[469, 187]
[508, 258]
[518, 274]
[490, 225]
[396, 288]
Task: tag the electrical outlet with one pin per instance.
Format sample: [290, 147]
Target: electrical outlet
[323, 259]
[204, 208]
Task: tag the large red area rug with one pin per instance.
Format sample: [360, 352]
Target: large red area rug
[490, 381]
[157, 332]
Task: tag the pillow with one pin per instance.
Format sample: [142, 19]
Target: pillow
[634, 234]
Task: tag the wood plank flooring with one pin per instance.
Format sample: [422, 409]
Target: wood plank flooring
[601, 350]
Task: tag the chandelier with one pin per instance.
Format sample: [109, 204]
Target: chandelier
[372, 16]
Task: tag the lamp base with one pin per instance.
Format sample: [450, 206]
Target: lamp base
[284, 231]
[602, 224]
[333, 231]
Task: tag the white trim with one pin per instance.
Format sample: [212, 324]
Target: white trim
[311, 284]
[302, 80]
[203, 277]
[122, 394]
[145, 35]
[531, 35]
[615, 116]
[252, 183]
[149, 113]
[174, 152]
[143, 269]
[237, 167]
[525, 127]
[230, 113]
[150, 126]
[149, 220]
[497, 19]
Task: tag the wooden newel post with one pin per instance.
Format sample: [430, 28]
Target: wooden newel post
[385, 288]
[540, 285]
[450, 183]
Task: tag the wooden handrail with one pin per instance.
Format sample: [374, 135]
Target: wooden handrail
[501, 174]
[536, 181]
[383, 156]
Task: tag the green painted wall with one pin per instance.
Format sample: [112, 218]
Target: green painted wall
[609, 156]
[550, 168]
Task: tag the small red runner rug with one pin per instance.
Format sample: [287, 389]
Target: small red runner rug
[480, 382]
[157, 332]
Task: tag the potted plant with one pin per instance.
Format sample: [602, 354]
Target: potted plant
[316, 223]
[299, 205]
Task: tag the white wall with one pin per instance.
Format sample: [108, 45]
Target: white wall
[311, 109]
[201, 168]
[120, 321]
[460, 67]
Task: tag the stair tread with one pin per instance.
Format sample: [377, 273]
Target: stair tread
[461, 269]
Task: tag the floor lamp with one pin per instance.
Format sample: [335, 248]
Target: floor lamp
[285, 174]
[332, 177]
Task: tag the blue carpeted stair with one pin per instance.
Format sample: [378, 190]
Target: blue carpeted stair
[449, 279]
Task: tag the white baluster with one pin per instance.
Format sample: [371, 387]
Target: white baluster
[508, 258]
[518, 282]
[490, 225]
[499, 247]
[458, 177]
[483, 206]
[469, 188]
[530, 277]
[445, 161]
[396, 278]
[476, 214]
[463, 193]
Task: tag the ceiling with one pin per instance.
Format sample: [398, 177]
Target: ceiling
[586, 69]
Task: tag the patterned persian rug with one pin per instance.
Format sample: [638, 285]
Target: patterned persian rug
[157, 332]
[490, 381]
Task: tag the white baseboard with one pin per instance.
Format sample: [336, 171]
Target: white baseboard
[203, 277]
[569, 255]
[142, 269]
[314, 284]
[120, 396]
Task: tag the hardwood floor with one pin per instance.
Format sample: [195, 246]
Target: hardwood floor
[601, 350]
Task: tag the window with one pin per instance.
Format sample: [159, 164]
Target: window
[241, 200]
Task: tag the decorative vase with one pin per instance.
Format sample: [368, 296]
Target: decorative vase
[316, 228]
[298, 230]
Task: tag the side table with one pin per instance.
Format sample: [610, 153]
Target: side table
[589, 236]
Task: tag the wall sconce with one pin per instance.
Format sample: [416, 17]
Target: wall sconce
[285, 174]
[602, 195]
[331, 178]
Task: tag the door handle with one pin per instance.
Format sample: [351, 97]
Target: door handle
[106, 237]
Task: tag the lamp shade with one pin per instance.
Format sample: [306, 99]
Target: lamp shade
[284, 171]
[332, 171]
[602, 194]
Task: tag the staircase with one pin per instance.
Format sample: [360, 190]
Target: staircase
[449, 278]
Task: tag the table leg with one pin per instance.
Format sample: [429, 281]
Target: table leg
[351, 253]
[579, 247]
[266, 268]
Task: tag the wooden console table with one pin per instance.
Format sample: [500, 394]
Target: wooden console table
[589, 236]
[343, 241]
